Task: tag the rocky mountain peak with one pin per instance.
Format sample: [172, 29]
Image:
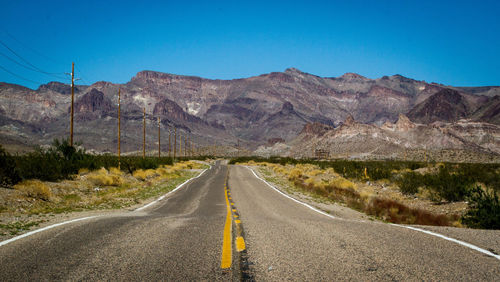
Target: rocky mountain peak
[404, 123]
[169, 109]
[353, 76]
[446, 105]
[147, 75]
[57, 87]
[93, 102]
[401, 78]
[293, 70]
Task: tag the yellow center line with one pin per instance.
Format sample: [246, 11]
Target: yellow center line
[227, 252]
[240, 244]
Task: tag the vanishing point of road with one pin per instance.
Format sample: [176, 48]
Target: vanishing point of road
[229, 225]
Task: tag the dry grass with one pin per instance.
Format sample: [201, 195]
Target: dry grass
[327, 183]
[142, 174]
[35, 189]
[103, 177]
[100, 189]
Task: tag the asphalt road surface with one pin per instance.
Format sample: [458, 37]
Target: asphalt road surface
[196, 233]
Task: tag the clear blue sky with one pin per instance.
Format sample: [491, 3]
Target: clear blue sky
[450, 42]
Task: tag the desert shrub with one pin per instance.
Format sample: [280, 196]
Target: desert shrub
[342, 183]
[484, 209]
[295, 173]
[62, 161]
[115, 170]
[82, 171]
[449, 186]
[35, 189]
[142, 174]
[410, 182]
[9, 174]
[102, 177]
[396, 212]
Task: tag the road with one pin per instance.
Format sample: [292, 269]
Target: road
[191, 234]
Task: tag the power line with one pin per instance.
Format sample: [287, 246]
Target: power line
[24, 66]
[82, 77]
[39, 54]
[29, 48]
[27, 62]
[32, 81]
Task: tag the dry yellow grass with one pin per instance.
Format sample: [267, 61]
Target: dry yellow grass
[83, 171]
[35, 189]
[142, 174]
[315, 172]
[295, 173]
[342, 183]
[115, 171]
[102, 177]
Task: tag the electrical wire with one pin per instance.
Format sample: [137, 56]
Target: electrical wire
[24, 66]
[18, 76]
[39, 54]
[27, 62]
[82, 77]
[29, 48]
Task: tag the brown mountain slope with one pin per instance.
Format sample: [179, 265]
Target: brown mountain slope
[250, 109]
[445, 105]
[489, 111]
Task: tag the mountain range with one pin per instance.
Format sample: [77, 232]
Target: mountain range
[252, 111]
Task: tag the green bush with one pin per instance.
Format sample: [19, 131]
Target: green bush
[449, 185]
[484, 209]
[62, 161]
[9, 174]
[410, 182]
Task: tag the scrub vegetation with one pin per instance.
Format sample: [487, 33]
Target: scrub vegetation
[31, 190]
[365, 186]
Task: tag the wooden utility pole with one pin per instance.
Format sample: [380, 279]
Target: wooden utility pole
[169, 145]
[72, 102]
[190, 147]
[144, 134]
[180, 145]
[186, 146]
[119, 133]
[175, 140]
[159, 151]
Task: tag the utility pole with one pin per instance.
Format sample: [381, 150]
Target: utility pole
[180, 145]
[169, 145]
[186, 146]
[175, 140]
[119, 96]
[190, 146]
[72, 102]
[159, 152]
[144, 134]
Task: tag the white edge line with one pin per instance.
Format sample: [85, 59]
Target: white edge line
[465, 244]
[291, 198]
[43, 229]
[2, 243]
[176, 188]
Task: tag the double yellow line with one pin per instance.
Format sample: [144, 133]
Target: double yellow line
[227, 252]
